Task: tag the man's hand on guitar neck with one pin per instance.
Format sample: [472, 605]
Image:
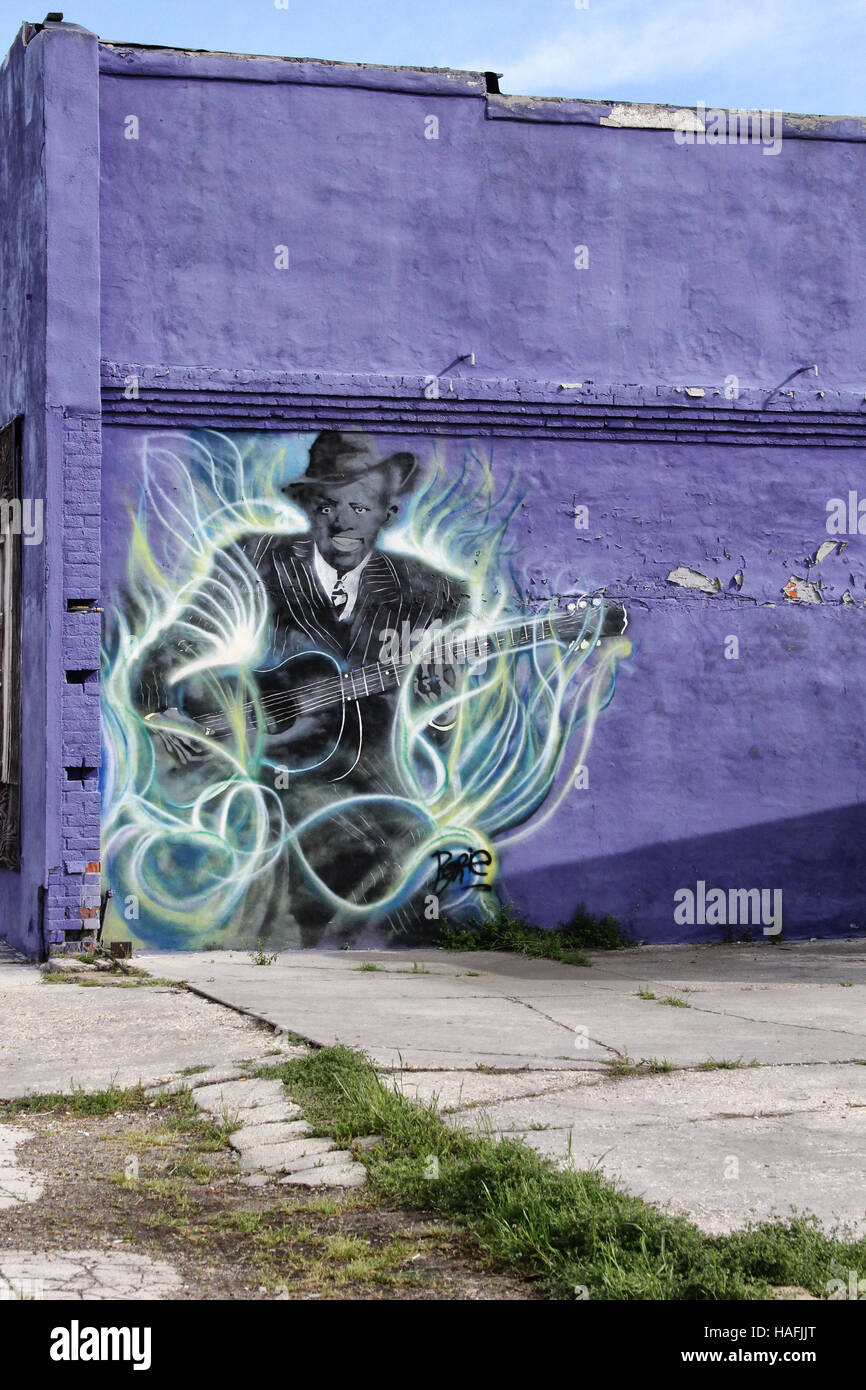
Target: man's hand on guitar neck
[181, 749]
[432, 683]
[434, 679]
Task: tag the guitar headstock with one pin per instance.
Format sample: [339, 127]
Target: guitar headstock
[580, 610]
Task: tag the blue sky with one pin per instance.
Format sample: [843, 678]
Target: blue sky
[793, 55]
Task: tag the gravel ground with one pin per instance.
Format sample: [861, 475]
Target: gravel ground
[187, 1228]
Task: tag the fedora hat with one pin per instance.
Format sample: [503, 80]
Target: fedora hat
[337, 458]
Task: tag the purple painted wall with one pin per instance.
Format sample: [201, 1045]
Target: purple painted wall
[22, 388]
[705, 264]
[662, 386]
[407, 250]
[49, 164]
[743, 770]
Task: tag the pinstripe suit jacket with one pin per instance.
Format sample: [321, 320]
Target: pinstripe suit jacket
[393, 589]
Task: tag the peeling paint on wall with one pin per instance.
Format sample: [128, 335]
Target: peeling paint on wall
[688, 578]
[799, 590]
[825, 549]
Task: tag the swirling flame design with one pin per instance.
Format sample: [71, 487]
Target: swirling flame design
[521, 722]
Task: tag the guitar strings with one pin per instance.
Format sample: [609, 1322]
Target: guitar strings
[332, 687]
[327, 693]
[459, 651]
[328, 689]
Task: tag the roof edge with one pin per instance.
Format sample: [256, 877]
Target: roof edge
[141, 60]
[147, 60]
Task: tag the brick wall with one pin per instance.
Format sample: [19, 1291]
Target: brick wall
[66, 907]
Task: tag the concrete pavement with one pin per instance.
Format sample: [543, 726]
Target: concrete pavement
[435, 1009]
[617, 1065]
[549, 1052]
[54, 1037]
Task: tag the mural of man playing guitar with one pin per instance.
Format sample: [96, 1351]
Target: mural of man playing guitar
[327, 693]
[333, 597]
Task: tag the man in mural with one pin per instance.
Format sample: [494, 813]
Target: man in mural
[338, 602]
[338, 605]
[297, 738]
[318, 748]
[331, 590]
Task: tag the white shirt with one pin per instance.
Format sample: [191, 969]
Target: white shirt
[328, 578]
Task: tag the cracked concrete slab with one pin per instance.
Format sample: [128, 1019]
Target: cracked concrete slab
[721, 1146]
[516, 1046]
[461, 1011]
[74, 1275]
[340, 1175]
[239, 1095]
[705, 1095]
[282, 1158]
[273, 1137]
[261, 1115]
[334, 1158]
[17, 1183]
[598, 1024]
[725, 1172]
[254, 1137]
[54, 1037]
[455, 1090]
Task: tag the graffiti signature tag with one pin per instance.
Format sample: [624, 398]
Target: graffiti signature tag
[466, 869]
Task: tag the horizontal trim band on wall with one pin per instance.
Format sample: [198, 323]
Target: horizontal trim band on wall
[200, 398]
[654, 116]
[387, 416]
[443, 406]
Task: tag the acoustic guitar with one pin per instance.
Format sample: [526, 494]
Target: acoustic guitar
[312, 709]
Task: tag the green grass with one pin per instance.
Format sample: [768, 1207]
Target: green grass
[118, 976]
[110, 979]
[595, 933]
[569, 1229]
[326, 1261]
[624, 1066]
[744, 937]
[191, 1165]
[80, 1102]
[620, 1066]
[182, 1113]
[644, 994]
[508, 930]
[368, 966]
[260, 956]
[675, 1001]
[723, 1064]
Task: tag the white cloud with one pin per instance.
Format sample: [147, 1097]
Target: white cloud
[617, 43]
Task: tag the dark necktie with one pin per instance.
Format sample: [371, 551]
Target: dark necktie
[339, 597]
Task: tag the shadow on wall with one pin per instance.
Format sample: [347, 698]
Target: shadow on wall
[816, 862]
